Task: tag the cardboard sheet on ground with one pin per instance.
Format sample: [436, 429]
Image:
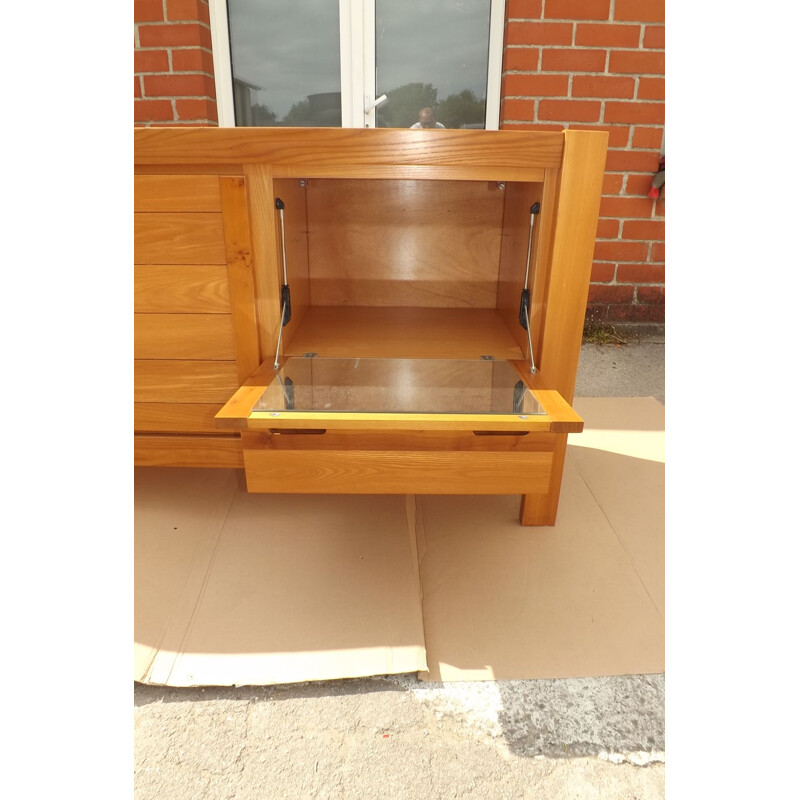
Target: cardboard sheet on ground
[234, 588]
[238, 588]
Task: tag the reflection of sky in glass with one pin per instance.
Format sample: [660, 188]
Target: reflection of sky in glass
[288, 48]
[443, 43]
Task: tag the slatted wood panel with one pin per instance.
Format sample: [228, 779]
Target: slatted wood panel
[175, 238]
[179, 289]
[176, 417]
[193, 269]
[189, 336]
[188, 451]
[183, 193]
[184, 381]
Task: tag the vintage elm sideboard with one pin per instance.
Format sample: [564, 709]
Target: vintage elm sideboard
[364, 310]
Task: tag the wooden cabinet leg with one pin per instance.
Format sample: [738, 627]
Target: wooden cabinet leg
[542, 509]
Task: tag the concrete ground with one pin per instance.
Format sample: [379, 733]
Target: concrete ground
[397, 738]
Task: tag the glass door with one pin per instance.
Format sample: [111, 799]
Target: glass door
[358, 63]
[432, 63]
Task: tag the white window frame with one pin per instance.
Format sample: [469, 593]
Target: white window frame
[357, 51]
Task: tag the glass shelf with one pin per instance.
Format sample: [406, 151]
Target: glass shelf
[398, 386]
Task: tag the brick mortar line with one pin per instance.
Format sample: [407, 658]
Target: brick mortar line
[152, 23]
[635, 100]
[173, 97]
[609, 21]
[172, 74]
[159, 48]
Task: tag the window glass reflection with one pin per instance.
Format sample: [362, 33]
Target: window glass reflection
[285, 62]
[432, 56]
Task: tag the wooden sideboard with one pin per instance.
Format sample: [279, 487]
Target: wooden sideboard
[419, 251]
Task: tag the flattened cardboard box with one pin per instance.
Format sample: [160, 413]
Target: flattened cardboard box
[245, 589]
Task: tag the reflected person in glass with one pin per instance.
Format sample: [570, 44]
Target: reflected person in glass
[427, 119]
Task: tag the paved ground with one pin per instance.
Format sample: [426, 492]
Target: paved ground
[400, 739]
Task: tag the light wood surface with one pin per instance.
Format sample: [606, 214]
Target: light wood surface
[483, 172]
[457, 441]
[187, 451]
[181, 289]
[175, 417]
[184, 336]
[404, 243]
[364, 421]
[241, 286]
[388, 472]
[265, 244]
[176, 193]
[348, 147]
[184, 381]
[519, 197]
[580, 190]
[538, 506]
[175, 238]
[403, 333]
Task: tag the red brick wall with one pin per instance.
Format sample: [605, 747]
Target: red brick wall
[599, 64]
[566, 63]
[173, 69]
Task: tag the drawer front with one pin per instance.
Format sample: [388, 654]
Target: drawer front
[397, 472]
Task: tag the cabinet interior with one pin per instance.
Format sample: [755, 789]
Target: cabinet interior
[406, 268]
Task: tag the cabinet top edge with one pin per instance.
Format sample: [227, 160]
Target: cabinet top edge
[344, 147]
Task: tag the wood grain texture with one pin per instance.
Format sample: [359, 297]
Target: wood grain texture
[404, 243]
[455, 441]
[181, 289]
[519, 197]
[388, 472]
[403, 333]
[348, 147]
[295, 222]
[484, 172]
[184, 381]
[574, 235]
[175, 417]
[206, 337]
[539, 506]
[265, 244]
[241, 282]
[187, 451]
[176, 193]
[177, 238]
[366, 421]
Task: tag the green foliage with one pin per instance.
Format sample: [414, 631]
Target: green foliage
[460, 109]
[401, 110]
[263, 115]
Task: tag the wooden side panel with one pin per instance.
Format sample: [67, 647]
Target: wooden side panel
[175, 417]
[401, 472]
[573, 247]
[175, 238]
[179, 289]
[176, 193]
[295, 226]
[404, 243]
[184, 381]
[187, 451]
[519, 197]
[265, 243]
[184, 336]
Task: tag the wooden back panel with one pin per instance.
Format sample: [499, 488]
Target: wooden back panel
[404, 243]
